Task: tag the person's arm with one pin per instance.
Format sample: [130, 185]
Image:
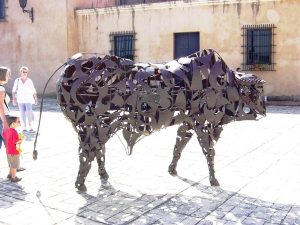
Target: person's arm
[15, 138]
[18, 141]
[34, 92]
[35, 98]
[2, 111]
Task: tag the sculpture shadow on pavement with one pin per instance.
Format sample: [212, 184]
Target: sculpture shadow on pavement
[197, 203]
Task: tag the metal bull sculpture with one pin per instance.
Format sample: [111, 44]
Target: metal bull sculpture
[199, 93]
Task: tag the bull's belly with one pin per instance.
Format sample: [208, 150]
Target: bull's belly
[149, 123]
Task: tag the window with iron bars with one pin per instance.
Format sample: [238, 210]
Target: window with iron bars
[186, 43]
[2, 9]
[123, 44]
[258, 47]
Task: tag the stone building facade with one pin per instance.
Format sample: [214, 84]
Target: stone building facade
[259, 36]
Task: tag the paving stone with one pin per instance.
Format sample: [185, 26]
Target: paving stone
[295, 211]
[202, 212]
[251, 221]
[253, 163]
[94, 216]
[172, 218]
[262, 213]
[187, 209]
[190, 221]
[143, 220]
[113, 209]
[271, 223]
[136, 212]
[80, 220]
[234, 218]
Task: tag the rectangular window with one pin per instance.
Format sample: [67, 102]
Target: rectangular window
[122, 2]
[123, 44]
[186, 44]
[2, 9]
[258, 47]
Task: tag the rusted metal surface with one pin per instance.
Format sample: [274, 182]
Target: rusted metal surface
[199, 93]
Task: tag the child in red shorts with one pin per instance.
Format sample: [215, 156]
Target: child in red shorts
[12, 140]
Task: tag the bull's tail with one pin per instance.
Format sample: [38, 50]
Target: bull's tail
[74, 57]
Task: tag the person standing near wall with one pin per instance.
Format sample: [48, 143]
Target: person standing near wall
[24, 94]
[4, 100]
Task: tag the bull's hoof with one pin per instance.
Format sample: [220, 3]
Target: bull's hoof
[80, 187]
[104, 176]
[172, 171]
[214, 182]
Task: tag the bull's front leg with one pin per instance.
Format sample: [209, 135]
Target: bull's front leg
[85, 159]
[207, 147]
[100, 155]
[183, 137]
[210, 155]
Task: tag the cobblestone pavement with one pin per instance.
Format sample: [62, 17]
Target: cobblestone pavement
[257, 164]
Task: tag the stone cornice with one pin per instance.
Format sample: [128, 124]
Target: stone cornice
[165, 5]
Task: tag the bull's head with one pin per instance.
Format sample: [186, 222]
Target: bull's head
[251, 92]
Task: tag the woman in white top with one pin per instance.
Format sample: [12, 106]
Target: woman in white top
[24, 94]
[4, 100]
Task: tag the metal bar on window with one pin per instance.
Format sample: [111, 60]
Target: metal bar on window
[2, 9]
[123, 44]
[258, 47]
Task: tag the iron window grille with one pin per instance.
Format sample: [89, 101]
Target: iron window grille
[2, 9]
[123, 44]
[258, 47]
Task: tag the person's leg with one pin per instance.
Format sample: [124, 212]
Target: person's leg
[1, 130]
[15, 164]
[13, 172]
[12, 163]
[22, 109]
[29, 114]
[1, 140]
[14, 177]
[9, 165]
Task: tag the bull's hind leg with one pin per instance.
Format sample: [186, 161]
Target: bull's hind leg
[85, 158]
[183, 137]
[100, 155]
[206, 143]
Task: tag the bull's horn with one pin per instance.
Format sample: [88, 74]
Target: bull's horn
[75, 57]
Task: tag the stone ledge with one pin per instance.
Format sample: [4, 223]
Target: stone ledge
[283, 103]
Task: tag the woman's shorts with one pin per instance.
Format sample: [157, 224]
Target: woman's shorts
[13, 161]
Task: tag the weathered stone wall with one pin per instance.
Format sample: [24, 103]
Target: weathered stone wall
[41, 45]
[219, 25]
[59, 31]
